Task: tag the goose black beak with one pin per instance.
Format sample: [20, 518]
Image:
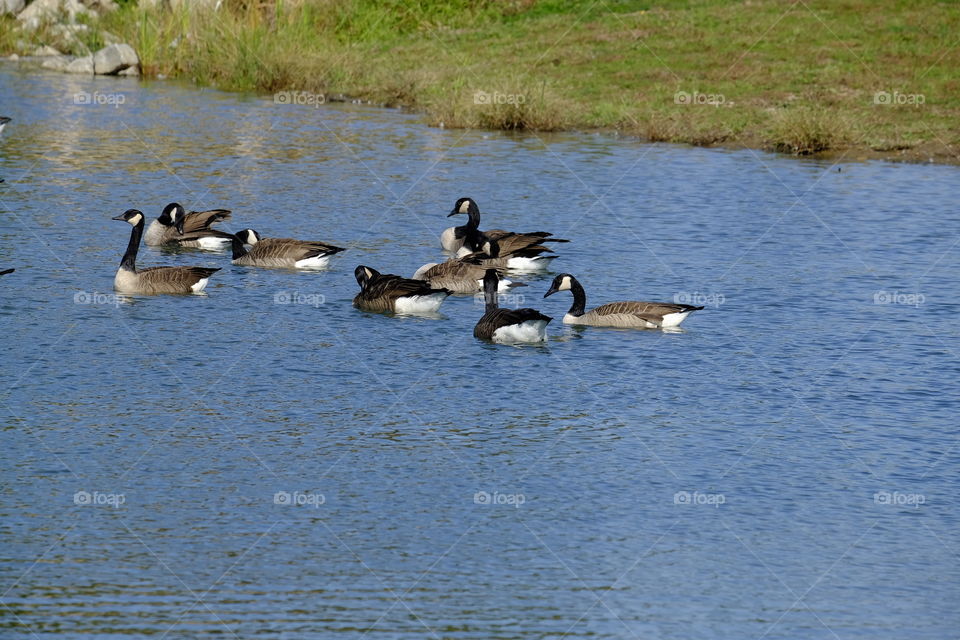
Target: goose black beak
[552, 291]
[179, 227]
[452, 213]
[119, 217]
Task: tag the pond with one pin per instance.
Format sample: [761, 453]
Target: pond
[267, 460]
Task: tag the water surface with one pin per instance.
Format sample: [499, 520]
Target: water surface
[782, 468]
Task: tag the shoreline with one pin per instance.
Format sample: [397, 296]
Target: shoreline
[841, 154]
[661, 74]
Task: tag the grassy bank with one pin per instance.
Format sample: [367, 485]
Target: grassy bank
[864, 77]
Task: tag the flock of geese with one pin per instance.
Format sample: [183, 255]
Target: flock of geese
[478, 263]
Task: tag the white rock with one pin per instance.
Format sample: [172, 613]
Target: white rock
[46, 51]
[133, 70]
[114, 58]
[14, 57]
[69, 29]
[81, 65]
[11, 6]
[41, 11]
[56, 63]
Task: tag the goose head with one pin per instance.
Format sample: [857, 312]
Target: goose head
[464, 206]
[131, 216]
[248, 236]
[168, 217]
[563, 282]
[364, 275]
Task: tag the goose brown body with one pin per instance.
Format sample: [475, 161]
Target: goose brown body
[625, 314]
[456, 276]
[280, 252]
[154, 280]
[177, 226]
[387, 292]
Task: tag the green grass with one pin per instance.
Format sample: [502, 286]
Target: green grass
[797, 77]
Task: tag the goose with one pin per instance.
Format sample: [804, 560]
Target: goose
[280, 252]
[174, 222]
[154, 279]
[458, 276]
[203, 238]
[639, 315]
[530, 259]
[508, 325]
[469, 235]
[379, 293]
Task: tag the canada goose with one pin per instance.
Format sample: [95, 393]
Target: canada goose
[280, 252]
[469, 235]
[640, 315]
[458, 277]
[6, 271]
[200, 238]
[174, 222]
[154, 279]
[380, 293]
[508, 325]
[529, 259]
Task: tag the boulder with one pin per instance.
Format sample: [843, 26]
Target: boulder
[56, 63]
[11, 6]
[41, 11]
[114, 58]
[81, 65]
[130, 71]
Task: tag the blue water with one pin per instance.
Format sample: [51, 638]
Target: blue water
[784, 467]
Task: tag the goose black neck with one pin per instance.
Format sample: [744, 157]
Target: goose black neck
[490, 286]
[237, 246]
[579, 298]
[473, 222]
[129, 261]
